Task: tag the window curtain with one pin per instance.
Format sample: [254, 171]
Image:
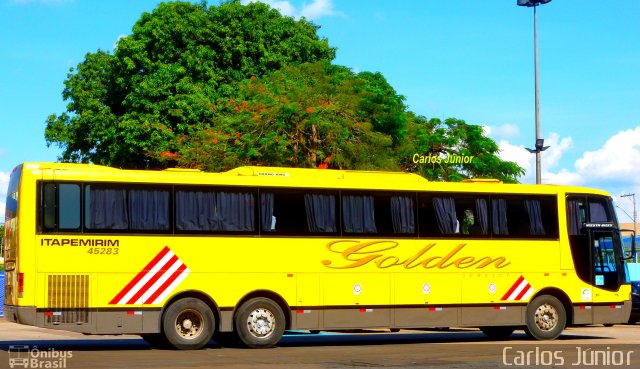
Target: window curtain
[402, 214]
[149, 209]
[574, 217]
[536, 228]
[499, 216]
[196, 211]
[357, 213]
[445, 208]
[214, 211]
[482, 216]
[236, 211]
[321, 212]
[267, 223]
[108, 208]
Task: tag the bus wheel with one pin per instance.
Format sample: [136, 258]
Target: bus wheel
[188, 324]
[260, 323]
[546, 318]
[498, 333]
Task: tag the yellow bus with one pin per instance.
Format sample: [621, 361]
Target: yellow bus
[181, 256]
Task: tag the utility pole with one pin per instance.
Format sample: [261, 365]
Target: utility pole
[635, 229]
[539, 146]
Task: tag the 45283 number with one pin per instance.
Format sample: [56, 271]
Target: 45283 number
[103, 251]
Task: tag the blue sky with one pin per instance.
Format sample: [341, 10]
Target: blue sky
[472, 60]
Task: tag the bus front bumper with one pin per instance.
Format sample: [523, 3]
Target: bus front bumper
[20, 314]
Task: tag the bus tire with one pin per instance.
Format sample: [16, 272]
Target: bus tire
[188, 324]
[499, 332]
[546, 318]
[260, 323]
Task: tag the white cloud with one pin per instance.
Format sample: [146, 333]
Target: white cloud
[314, 10]
[516, 154]
[563, 177]
[617, 160]
[612, 167]
[550, 159]
[557, 147]
[503, 132]
[317, 9]
[284, 7]
[115, 44]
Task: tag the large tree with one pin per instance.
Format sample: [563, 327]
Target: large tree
[151, 89]
[312, 115]
[222, 86]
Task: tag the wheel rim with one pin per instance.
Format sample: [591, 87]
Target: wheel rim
[546, 317]
[189, 324]
[261, 323]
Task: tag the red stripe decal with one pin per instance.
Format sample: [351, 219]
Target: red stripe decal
[166, 284]
[513, 288]
[151, 281]
[140, 275]
[523, 292]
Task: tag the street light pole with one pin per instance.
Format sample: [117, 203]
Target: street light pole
[535, 66]
[635, 229]
[539, 147]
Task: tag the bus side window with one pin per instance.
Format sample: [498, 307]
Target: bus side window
[525, 217]
[403, 218]
[454, 215]
[208, 210]
[49, 206]
[358, 214]
[60, 207]
[69, 207]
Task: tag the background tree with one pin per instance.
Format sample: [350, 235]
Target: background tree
[221, 86]
[151, 90]
[454, 137]
[312, 115]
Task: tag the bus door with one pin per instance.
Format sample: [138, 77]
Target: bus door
[607, 260]
[595, 241]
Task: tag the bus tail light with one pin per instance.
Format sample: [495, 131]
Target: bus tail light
[20, 282]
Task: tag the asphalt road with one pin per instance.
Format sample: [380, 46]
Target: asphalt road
[616, 346]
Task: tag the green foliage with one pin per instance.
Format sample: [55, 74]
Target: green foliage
[454, 137]
[215, 87]
[384, 107]
[312, 115]
[150, 91]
